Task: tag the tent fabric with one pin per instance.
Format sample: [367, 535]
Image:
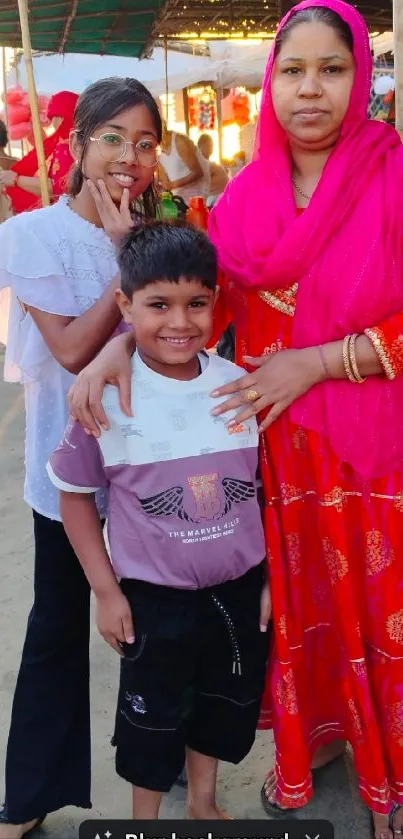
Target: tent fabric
[101, 27]
[54, 72]
[228, 66]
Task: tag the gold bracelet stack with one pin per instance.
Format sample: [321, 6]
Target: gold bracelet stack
[350, 360]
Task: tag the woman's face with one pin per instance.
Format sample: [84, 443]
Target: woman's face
[313, 76]
[135, 125]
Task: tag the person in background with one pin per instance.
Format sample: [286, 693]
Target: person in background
[182, 168]
[21, 180]
[247, 136]
[60, 264]
[239, 163]
[6, 161]
[218, 173]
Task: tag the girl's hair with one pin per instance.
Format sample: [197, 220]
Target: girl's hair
[3, 135]
[316, 14]
[100, 103]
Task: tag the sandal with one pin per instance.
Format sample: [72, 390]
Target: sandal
[274, 810]
[277, 812]
[4, 819]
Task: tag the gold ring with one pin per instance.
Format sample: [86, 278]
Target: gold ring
[252, 396]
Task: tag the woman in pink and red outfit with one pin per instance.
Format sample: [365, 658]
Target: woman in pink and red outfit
[314, 258]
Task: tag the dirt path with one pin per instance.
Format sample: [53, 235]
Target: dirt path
[239, 787]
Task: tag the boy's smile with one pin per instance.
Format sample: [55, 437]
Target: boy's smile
[172, 323]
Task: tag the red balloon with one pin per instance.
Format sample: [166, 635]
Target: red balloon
[20, 131]
[18, 113]
[14, 95]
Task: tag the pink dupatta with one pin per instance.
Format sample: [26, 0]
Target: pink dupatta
[345, 252]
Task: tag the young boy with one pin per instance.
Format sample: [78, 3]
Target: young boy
[186, 540]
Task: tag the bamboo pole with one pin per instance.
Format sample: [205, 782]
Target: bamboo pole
[398, 37]
[33, 101]
[17, 78]
[4, 70]
[166, 80]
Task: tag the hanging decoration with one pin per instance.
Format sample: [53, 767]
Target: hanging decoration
[19, 114]
[236, 108]
[202, 110]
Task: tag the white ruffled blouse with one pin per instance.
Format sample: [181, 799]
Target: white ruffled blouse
[57, 262]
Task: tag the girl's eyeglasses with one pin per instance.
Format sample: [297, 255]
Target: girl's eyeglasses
[113, 148]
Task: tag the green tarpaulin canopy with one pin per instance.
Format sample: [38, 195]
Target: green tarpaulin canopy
[103, 27]
[130, 27]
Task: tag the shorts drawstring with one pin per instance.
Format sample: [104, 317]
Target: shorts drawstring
[236, 662]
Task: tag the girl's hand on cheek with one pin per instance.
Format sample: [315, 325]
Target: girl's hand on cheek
[116, 221]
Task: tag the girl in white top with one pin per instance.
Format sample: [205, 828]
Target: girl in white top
[185, 171]
[59, 263]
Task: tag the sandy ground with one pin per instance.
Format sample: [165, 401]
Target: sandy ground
[336, 795]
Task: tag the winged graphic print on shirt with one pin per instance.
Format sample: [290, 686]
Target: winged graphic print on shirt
[206, 492]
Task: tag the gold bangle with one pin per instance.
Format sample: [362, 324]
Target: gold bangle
[353, 360]
[346, 359]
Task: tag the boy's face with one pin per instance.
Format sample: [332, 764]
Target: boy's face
[171, 321]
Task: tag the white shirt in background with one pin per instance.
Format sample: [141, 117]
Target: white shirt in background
[177, 169]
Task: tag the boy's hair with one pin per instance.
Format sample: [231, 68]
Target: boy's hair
[166, 251]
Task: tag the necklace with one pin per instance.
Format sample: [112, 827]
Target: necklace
[301, 191]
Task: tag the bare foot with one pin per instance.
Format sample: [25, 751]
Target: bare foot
[381, 827]
[17, 831]
[270, 787]
[398, 823]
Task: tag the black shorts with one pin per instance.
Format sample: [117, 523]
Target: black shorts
[194, 677]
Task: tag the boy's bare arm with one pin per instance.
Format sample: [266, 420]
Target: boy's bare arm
[83, 527]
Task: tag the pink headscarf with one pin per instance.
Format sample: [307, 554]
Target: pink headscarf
[345, 251]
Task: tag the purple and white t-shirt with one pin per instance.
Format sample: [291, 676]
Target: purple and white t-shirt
[183, 509]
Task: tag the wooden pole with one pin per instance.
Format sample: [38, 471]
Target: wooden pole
[33, 101]
[398, 37]
[166, 80]
[17, 79]
[219, 97]
[4, 69]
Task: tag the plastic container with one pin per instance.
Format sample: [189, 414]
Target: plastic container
[197, 214]
[169, 209]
